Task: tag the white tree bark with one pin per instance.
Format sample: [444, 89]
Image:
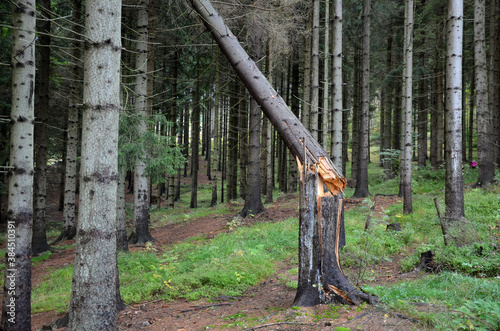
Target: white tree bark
[141, 180]
[454, 194]
[93, 297]
[406, 155]
[69, 211]
[16, 310]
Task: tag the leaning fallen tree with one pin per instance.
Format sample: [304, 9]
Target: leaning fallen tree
[321, 279]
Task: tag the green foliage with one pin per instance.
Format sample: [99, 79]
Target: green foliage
[160, 152]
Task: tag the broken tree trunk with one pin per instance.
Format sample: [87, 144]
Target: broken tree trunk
[321, 279]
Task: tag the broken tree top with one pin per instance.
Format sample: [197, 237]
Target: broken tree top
[298, 139]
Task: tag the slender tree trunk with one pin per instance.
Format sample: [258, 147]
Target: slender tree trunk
[173, 132]
[356, 111]
[423, 113]
[95, 255]
[388, 105]
[337, 106]
[494, 79]
[70, 181]
[345, 122]
[471, 118]
[243, 141]
[326, 82]
[295, 107]
[16, 309]
[315, 69]
[454, 194]
[362, 174]
[484, 147]
[232, 144]
[195, 135]
[437, 129]
[253, 201]
[216, 134]
[306, 97]
[406, 153]
[39, 241]
[141, 233]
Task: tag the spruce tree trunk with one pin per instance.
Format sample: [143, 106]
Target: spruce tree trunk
[295, 107]
[326, 82]
[39, 241]
[356, 111]
[173, 132]
[16, 309]
[437, 121]
[195, 136]
[243, 141]
[337, 118]
[306, 96]
[95, 254]
[232, 144]
[216, 134]
[388, 105]
[406, 153]
[315, 70]
[70, 181]
[141, 233]
[253, 199]
[361, 190]
[494, 78]
[486, 163]
[454, 194]
[422, 118]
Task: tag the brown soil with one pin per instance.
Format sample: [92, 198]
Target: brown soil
[266, 306]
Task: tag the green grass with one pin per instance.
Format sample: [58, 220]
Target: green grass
[446, 301]
[197, 268]
[232, 262]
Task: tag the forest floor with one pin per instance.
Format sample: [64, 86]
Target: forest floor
[265, 306]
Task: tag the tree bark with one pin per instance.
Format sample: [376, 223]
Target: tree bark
[195, 136]
[337, 106]
[327, 112]
[486, 163]
[232, 144]
[216, 134]
[406, 154]
[141, 233]
[16, 309]
[454, 194]
[39, 241]
[253, 199]
[70, 181]
[315, 70]
[95, 275]
[494, 78]
[361, 190]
